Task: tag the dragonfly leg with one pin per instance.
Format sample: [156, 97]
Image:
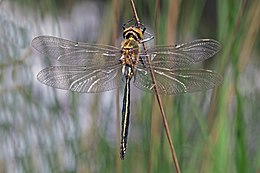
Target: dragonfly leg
[149, 34]
[147, 39]
[142, 61]
[152, 87]
[129, 21]
[137, 24]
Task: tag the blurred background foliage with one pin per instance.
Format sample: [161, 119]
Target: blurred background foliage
[43, 129]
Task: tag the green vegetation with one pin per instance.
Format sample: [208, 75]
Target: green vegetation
[43, 129]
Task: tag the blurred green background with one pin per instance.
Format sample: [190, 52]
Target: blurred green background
[43, 129]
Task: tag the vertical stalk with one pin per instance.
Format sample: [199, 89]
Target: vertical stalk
[175, 160]
[154, 121]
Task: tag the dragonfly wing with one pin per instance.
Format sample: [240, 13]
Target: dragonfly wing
[183, 55]
[177, 81]
[76, 53]
[80, 78]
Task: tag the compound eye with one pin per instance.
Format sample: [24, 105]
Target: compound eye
[127, 36]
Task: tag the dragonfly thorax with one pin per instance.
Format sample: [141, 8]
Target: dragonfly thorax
[130, 52]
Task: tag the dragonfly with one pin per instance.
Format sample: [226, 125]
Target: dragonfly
[93, 68]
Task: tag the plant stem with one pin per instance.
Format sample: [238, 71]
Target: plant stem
[175, 160]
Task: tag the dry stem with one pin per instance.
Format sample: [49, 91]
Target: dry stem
[176, 164]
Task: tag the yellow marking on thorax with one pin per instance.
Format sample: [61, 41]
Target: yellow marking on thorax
[130, 52]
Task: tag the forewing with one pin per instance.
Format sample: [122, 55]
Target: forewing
[80, 79]
[182, 55]
[76, 53]
[177, 81]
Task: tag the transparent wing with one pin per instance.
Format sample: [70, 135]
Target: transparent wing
[76, 53]
[177, 81]
[80, 78]
[182, 55]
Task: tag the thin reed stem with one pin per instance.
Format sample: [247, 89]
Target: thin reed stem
[153, 113]
[175, 160]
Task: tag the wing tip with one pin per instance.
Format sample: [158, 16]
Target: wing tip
[35, 41]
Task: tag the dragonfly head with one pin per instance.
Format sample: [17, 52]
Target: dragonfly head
[133, 32]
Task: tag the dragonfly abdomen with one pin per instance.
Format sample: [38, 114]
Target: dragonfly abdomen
[125, 112]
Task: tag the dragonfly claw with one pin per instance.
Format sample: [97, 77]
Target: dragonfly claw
[152, 86]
